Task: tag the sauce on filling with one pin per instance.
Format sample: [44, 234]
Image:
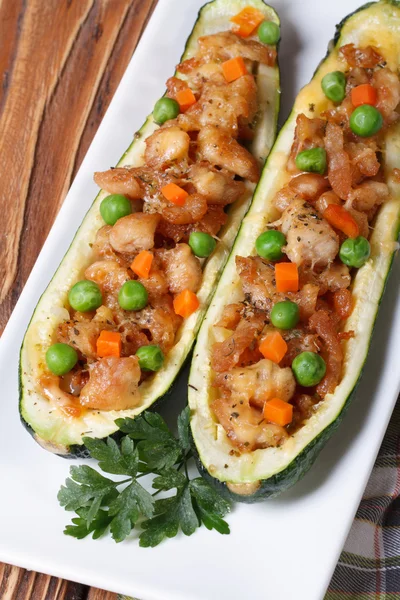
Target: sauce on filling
[203, 152]
[352, 182]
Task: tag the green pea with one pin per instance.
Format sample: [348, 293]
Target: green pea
[312, 161]
[269, 33]
[165, 109]
[115, 207]
[334, 86]
[85, 296]
[269, 244]
[133, 295]
[354, 252]
[308, 368]
[202, 244]
[285, 315]
[151, 358]
[366, 120]
[61, 358]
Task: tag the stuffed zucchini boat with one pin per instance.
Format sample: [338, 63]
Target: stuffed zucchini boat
[113, 328]
[283, 344]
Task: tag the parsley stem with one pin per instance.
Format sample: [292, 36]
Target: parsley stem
[123, 481]
[157, 492]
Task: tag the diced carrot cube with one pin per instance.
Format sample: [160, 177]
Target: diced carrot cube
[141, 264]
[108, 343]
[277, 411]
[186, 303]
[363, 94]
[185, 98]
[234, 68]
[339, 217]
[247, 21]
[174, 194]
[273, 347]
[286, 277]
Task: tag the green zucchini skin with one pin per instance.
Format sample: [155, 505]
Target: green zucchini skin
[79, 451]
[281, 482]
[340, 25]
[284, 480]
[296, 468]
[275, 485]
[220, 9]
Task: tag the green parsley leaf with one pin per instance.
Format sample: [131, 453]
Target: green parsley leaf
[133, 501]
[187, 515]
[158, 449]
[184, 429]
[112, 458]
[142, 427]
[93, 485]
[212, 521]
[148, 447]
[125, 512]
[78, 530]
[195, 502]
[179, 514]
[210, 506]
[89, 476]
[169, 479]
[81, 529]
[163, 505]
[72, 496]
[93, 510]
[162, 526]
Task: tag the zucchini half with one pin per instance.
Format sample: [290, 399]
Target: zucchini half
[45, 422]
[267, 472]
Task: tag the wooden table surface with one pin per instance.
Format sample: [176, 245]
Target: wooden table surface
[60, 64]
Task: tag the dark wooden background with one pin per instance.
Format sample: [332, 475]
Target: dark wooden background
[60, 63]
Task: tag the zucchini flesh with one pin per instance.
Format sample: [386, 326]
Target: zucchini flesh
[46, 423]
[267, 472]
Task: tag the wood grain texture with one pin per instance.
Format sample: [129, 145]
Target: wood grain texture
[61, 61]
[60, 64]
[20, 584]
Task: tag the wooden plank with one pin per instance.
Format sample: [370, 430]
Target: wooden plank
[11, 15]
[20, 584]
[60, 63]
[135, 22]
[61, 131]
[23, 110]
[9, 580]
[62, 125]
[95, 594]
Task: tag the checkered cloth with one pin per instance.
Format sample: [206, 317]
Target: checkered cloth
[369, 566]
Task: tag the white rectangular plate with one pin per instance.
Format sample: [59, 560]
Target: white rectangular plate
[286, 548]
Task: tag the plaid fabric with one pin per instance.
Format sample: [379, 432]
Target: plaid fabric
[369, 566]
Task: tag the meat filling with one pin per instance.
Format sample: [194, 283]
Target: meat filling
[147, 266]
[283, 349]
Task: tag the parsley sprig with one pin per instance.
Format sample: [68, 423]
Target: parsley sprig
[147, 448]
